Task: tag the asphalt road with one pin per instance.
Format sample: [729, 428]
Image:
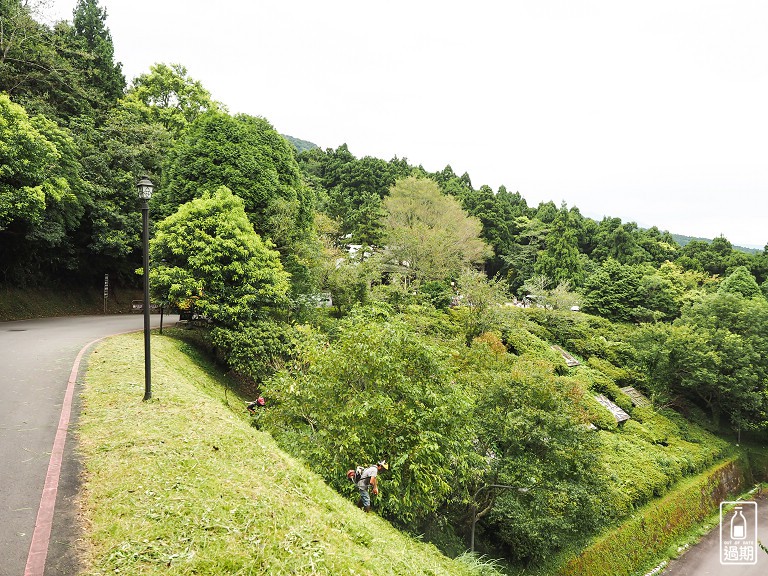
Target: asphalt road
[36, 358]
[704, 558]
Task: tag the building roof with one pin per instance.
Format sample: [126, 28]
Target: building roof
[638, 399]
[617, 412]
[569, 360]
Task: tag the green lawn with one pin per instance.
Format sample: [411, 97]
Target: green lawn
[184, 484]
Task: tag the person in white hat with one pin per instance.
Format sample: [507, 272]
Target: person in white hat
[369, 478]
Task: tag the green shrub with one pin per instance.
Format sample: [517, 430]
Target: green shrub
[633, 427]
[603, 384]
[624, 550]
[598, 414]
[520, 341]
[618, 375]
[256, 350]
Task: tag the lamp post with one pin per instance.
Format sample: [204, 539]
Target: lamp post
[145, 188]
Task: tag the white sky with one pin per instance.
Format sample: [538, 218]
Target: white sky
[654, 111]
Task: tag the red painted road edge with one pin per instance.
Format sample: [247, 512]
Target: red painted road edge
[38, 549]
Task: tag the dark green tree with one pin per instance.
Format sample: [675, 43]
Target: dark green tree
[97, 55]
[113, 154]
[561, 262]
[717, 257]
[42, 197]
[547, 212]
[248, 156]
[353, 190]
[36, 64]
[613, 291]
[498, 214]
[741, 282]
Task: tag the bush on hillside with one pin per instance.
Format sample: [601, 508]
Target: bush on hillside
[377, 391]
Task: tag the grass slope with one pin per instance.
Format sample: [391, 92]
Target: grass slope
[37, 302]
[184, 484]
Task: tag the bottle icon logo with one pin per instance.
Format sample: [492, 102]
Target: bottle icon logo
[738, 525]
[738, 532]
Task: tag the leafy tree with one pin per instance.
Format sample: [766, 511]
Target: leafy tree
[557, 297]
[429, 236]
[211, 256]
[561, 262]
[26, 155]
[377, 390]
[249, 157]
[480, 299]
[42, 195]
[658, 297]
[741, 282]
[532, 439]
[714, 356]
[168, 95]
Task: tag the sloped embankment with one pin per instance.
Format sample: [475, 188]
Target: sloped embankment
[184, 485]
[653, 528]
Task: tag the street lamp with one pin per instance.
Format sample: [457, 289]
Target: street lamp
[145, 188]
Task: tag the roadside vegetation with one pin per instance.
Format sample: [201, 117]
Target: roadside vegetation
[184, 484]
[23, 303]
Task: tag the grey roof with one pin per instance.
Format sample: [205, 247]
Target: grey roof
[569, 360]
[638, 399]
[617, 412]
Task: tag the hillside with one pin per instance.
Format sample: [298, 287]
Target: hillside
[185, 485]
[299, 144]
[683, 241]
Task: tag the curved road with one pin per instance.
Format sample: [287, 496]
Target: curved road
[36, 358]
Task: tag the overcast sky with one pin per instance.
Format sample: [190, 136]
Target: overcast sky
[654, 111]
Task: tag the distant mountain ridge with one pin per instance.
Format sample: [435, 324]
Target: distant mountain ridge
[299, 144]
[683, 240]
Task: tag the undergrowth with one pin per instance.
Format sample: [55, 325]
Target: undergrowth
[183, 484]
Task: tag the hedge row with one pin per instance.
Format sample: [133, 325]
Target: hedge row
[635, 543]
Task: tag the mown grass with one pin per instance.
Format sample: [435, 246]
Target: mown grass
[183, 484]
